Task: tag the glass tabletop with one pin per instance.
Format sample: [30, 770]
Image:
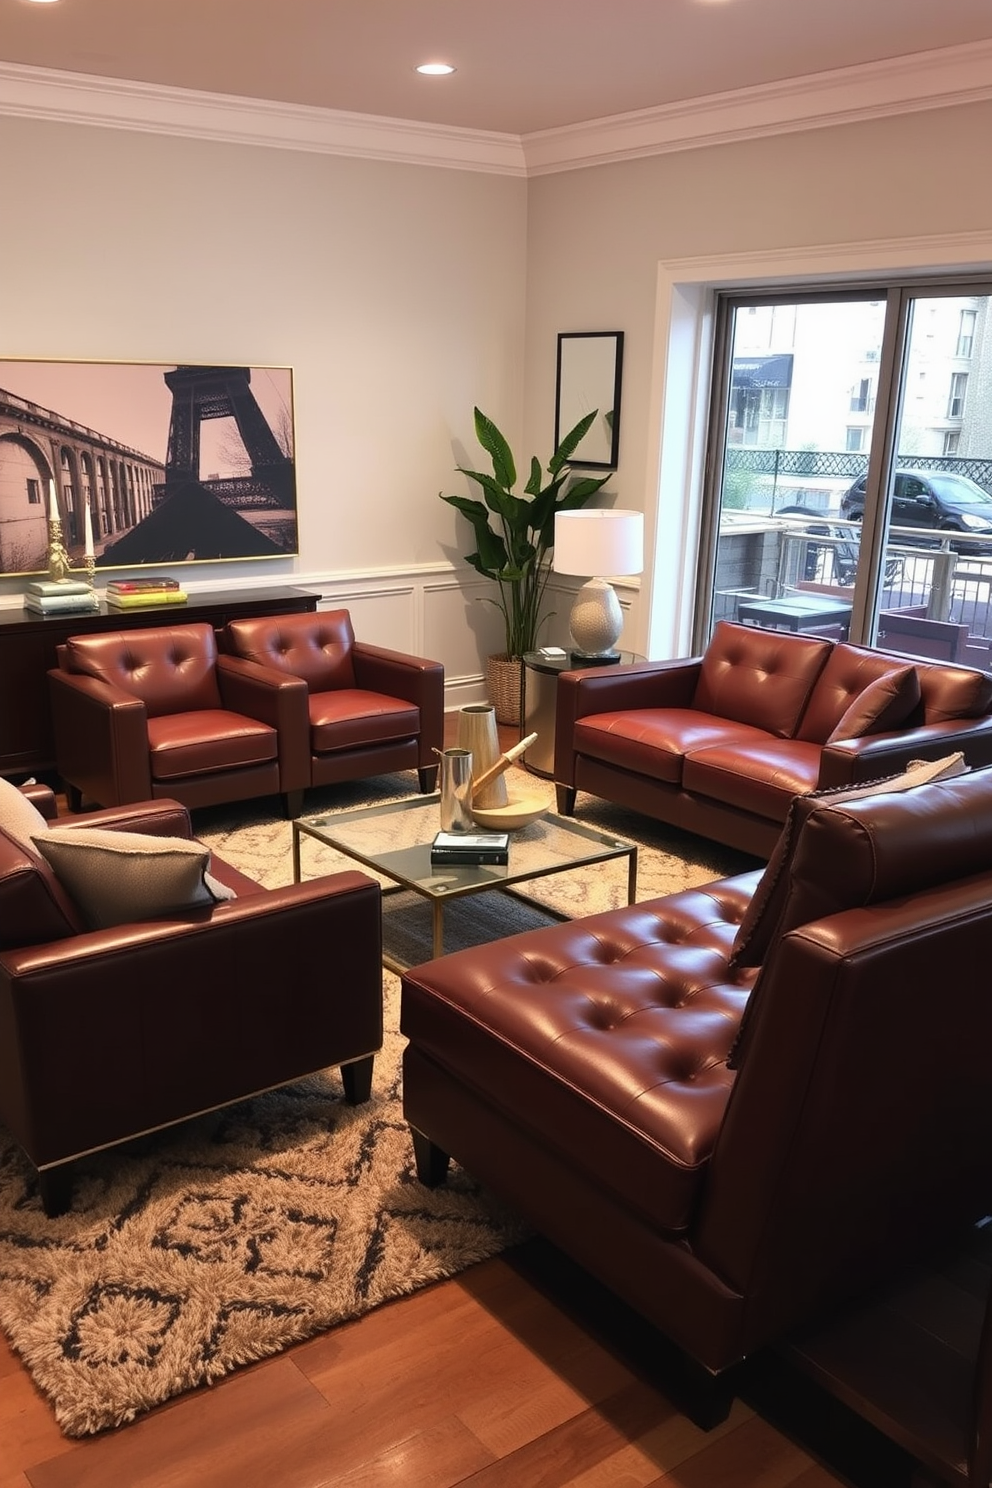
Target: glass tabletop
[395, 840]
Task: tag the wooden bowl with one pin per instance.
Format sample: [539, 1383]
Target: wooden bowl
[519, 811]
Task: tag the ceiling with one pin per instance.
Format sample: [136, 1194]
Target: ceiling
[522, 65]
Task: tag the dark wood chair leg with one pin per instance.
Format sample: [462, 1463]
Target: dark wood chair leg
[432, 1163]
[292, 803]
[565, 797]
[73, 797]
[357, 1077]
[427, 778]
[55, 1189]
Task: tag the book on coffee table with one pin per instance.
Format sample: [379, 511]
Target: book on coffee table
[471, 847]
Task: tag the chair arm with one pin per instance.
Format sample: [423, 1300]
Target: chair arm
[101, 738]
[42, 798]
[278, 699]
[160, 1020]
[160, 818]
[613, 689]
[415, 679]
[853, 761]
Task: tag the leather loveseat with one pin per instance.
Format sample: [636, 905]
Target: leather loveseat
[110, 1030]
[739, 1104]
[720, 743]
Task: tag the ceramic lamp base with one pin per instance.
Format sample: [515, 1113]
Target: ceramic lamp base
[596, 622]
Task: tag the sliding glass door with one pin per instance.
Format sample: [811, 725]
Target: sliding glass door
[850, 467]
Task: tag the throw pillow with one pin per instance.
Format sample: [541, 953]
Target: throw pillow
[885, 704]
[764, 913]
[19, 817]
[119, 877]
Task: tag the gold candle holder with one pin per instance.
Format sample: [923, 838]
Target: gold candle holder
[59, 563]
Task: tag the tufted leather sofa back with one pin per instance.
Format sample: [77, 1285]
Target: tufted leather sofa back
[759, 677]
[317, 647]
[172, 669]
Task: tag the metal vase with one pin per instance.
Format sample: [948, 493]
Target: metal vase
[456, 790]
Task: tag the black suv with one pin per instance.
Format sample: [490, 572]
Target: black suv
[949, 503]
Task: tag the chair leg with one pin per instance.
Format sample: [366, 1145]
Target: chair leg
[292, 803]
[55, 1189]
[427, 777]
[432, 1163]
[565, 795]
[357, 1077]
[73, 797]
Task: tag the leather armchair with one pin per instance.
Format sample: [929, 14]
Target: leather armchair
[109, 1033]
[146, 714]
[358, 710]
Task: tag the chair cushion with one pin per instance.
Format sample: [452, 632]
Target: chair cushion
[760, 677]
[19, 817]
[172, 669]
[655, 741]
[350, 718]
[186, 744]
[761, 777]
[116, 878]
[847, 677]
[316, 647]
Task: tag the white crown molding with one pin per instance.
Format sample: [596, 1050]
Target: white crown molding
[924, 80]
[899, 85]
[78, 98]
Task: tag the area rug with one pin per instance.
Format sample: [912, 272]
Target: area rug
[234, 1236]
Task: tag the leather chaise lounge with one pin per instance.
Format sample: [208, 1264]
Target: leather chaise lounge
[720, 743]
[741, 1104]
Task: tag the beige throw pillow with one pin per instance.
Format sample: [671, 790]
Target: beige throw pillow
[119, 877]
[19, 817]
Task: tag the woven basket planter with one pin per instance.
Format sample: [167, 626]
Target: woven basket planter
[503, 676]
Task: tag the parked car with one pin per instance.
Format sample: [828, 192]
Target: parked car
[932, 498]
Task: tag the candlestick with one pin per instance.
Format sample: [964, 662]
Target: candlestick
[88, 549]
[53, 506]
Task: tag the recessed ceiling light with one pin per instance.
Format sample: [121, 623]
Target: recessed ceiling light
[435, 69]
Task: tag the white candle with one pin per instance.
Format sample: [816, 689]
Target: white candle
[53, 509]
[87, 532]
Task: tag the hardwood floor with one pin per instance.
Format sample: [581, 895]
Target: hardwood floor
[484, 1380]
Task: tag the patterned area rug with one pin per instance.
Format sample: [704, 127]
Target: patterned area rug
[227, 1239]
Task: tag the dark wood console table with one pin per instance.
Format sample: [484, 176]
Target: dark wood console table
[27, 653]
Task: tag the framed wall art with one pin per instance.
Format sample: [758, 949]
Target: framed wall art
[590, 364]
[173, 464]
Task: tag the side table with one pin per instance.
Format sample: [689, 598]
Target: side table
[540, 701]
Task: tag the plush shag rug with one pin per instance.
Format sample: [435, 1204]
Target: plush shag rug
[227, 1239]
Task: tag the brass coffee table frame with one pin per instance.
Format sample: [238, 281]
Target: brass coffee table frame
[394, 841]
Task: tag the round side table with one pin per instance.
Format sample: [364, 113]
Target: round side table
[541, 675]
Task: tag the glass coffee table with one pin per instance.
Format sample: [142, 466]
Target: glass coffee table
[394, 841]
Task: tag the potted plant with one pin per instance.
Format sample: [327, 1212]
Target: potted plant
[514, 535]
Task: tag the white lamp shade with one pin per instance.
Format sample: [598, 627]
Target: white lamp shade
[599, 542]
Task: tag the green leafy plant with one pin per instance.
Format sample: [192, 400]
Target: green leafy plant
[514, 534]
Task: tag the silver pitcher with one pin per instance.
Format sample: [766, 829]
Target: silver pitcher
[456, 790]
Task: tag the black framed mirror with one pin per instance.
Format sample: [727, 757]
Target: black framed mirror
[590, 364]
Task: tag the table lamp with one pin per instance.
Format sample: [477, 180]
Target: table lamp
[596, 542]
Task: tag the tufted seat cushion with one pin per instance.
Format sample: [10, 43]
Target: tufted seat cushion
[655, 741]
[613, 1031]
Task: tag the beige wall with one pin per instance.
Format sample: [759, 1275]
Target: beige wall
[402, 294]
[396, 292]
[601, 240]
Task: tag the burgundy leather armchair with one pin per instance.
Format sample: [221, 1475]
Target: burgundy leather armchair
[144, 714]
[356, 710]
[106, 1034]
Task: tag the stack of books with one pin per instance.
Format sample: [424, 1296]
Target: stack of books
[132, 594]
[61, 597]
[471, 847]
